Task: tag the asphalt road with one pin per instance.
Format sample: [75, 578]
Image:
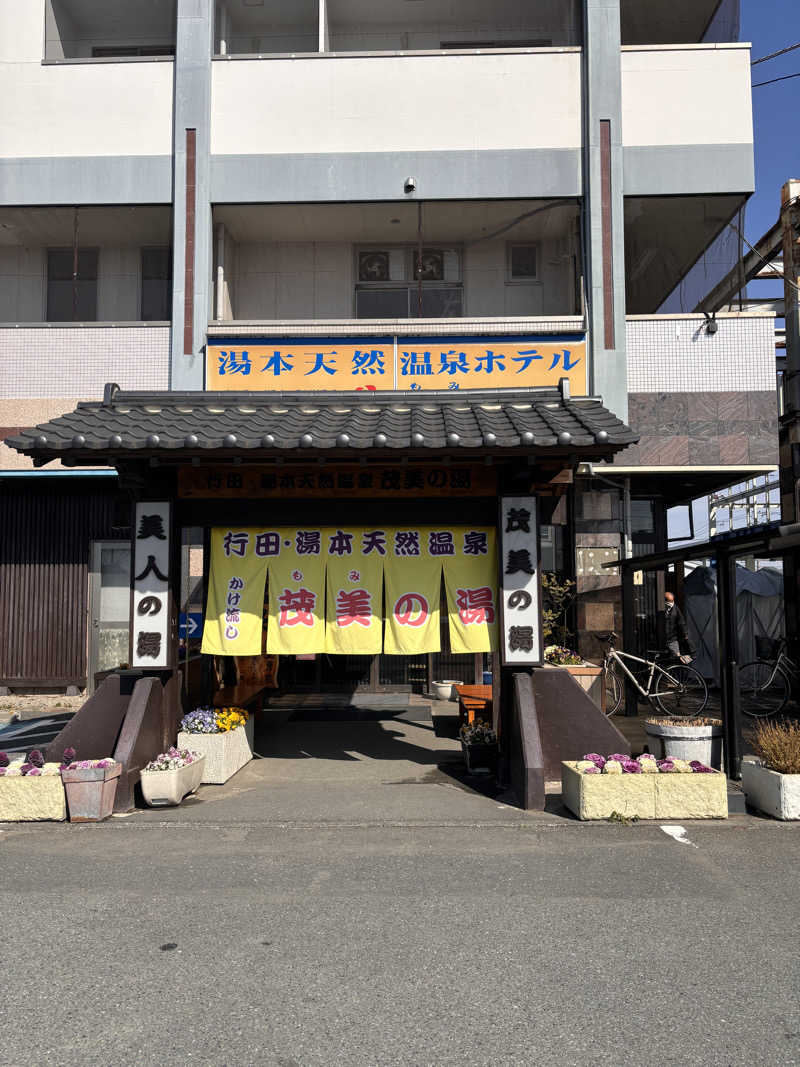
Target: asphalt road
[172, 943]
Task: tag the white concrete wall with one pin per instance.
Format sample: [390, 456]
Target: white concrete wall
[23, 284]
[410, 103]
[294, 281]
[317, 281]
[696, 94]
[102, 109]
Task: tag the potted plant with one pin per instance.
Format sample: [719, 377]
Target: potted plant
[598, 786]
[30, 789]
[446, 689]
[223, 735]
[171, 776]
[688, 739]
[90, 785]
[771, 782]
[480, 748]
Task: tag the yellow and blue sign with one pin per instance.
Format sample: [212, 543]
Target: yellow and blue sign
[340, 364]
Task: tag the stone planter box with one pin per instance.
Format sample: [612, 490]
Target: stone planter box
[770, 791]
[648, 796]
[703, 743]
[225, 754]
[160, 788]
[32, 799]
[90, 792]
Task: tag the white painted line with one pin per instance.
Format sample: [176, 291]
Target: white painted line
[678, 833]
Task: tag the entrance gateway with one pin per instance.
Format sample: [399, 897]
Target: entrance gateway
[382, 533]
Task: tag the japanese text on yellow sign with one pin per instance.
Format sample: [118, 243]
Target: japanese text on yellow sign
[402, 363]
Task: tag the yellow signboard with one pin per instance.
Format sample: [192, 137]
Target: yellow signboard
[404, 363]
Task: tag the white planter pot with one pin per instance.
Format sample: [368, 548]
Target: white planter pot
[225, 754]
[703, 743]
[648, 796]
[160, 788]
[26, 798]
[771, 792]
[446, 690]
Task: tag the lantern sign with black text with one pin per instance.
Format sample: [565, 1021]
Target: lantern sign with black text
[150, 621]
[519, 564]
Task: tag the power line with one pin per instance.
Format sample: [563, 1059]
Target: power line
[772, 55]
[785, 78]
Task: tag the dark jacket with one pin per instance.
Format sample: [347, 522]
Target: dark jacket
[675, 630]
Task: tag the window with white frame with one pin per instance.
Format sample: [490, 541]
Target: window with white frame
[522, 263]
[396, 282]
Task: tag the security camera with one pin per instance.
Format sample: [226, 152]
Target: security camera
[410, 185]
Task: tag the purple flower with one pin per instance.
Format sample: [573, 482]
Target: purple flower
[595, 757]
[36, 758]
[26, 768]
[700, 768]
[68, 756]
[620, 757]
[34, 771]
[630, 766]
[665, 765]
[4, 760]
[592, 770]
[2, 771]
[84, 764]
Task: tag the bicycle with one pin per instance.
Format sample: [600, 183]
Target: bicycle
[765, 685]
[678, 690]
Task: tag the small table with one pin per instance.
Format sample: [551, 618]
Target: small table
[474, 702]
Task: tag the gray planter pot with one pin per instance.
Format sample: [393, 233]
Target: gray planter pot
[676, 741]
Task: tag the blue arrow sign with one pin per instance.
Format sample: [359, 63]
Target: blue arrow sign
[191, 625]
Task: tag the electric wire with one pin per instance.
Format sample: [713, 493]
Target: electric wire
[785, 78]
[772, 55]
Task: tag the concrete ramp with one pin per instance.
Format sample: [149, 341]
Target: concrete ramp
[570, 723]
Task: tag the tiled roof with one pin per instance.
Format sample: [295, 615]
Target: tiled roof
[127, 422]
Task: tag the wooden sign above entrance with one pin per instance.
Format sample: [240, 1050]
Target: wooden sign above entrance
[346, 480]
[346, 364]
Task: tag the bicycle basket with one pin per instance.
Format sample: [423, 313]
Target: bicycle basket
[767, 647]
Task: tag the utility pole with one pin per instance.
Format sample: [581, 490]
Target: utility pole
[789, 432]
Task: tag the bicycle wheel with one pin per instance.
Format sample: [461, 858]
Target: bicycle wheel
[614, 691]
[680, 691]
[763, 689]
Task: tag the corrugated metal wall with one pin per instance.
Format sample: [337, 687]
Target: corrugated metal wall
[45, 535]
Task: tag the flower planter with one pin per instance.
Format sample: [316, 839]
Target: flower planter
[90, 791]
[480, 759]
[160, 788]
[225, 753]
[446, 690]
[32, 798]
[647, 796]
[770, 791]
[703, 743]
[588, 676]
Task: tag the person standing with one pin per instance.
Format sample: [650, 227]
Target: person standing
[676, 631]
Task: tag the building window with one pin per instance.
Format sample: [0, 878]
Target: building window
[68, 299]
[388, 285]
[156, 285]
[127, 51]
[523, 262]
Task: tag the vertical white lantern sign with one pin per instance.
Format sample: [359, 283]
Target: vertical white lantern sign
[519, 564]
[150, 601]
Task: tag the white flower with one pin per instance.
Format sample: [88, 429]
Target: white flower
[612, 767]
[583, 765]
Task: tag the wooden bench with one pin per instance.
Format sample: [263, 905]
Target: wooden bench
[474, 702]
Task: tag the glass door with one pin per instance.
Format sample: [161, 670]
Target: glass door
[109, 599]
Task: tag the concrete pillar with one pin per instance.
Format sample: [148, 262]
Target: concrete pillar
[604, 233]
[191, 293]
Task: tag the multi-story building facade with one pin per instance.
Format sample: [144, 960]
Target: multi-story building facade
[185, 185]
